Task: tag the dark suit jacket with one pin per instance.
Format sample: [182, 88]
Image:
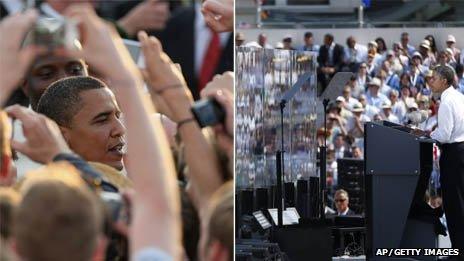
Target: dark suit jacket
[3, 11]
[349, 213]
[338, 53]
[179, 43]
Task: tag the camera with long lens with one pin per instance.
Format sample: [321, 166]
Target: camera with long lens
[54, 33]
[208, 112]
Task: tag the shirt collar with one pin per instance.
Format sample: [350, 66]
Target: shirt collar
[446, 92]
[49, 11]
[344, 212]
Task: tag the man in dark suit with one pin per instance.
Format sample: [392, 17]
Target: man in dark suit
[189, 41]
[341, 203]
[330, 60]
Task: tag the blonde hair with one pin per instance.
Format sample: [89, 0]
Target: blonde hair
[9, 201]
[220, 218]
[113, 176]
[5, 132]
[59, 217]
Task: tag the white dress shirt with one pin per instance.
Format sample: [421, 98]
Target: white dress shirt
[203, 37]
[450, 117]
[358, 54]
[13, 6]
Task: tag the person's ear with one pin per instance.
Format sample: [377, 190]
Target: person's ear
[66, 133]
[24, 86]
[100, 249]
[5, 169]
[217, 252]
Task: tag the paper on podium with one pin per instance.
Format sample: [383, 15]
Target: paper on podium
[290, 216]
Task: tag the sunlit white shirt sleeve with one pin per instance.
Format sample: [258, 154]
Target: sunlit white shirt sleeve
[445, 124]
[450, 117]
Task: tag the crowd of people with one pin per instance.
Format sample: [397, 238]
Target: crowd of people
[392, 84]
[125, 170]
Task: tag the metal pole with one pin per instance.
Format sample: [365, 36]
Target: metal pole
[361, 16]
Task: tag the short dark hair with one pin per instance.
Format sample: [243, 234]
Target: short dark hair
[446, 72]
[308, 35]
[330, 37]
[60, 102]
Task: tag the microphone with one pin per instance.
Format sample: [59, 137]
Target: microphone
[417, 117]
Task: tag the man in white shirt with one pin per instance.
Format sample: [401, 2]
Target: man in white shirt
[355, 53]
[398, 107]
[450, 134]
[387, 113]
[374, 97]
[349, 100]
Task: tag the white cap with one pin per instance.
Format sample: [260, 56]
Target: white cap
[375, 81]
[358, 107]
[413, 105]
[390, 52]
[417, 54]
[279, 45]
[340, 99]
[253, 44]
[374, 43]
[425, 43]
[451, 38]
[386, 105]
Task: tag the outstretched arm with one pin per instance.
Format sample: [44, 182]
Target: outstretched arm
[156, 211]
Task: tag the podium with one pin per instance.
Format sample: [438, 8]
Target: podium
[398, 165]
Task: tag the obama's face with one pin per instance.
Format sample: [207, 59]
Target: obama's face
[96, 131]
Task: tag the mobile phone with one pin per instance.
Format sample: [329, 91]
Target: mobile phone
[208, 112]
[136, 53]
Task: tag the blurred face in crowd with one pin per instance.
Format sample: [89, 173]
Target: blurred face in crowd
[339, 142]
[387, 111]
[362, 100]
[341, 202]
[423, 51]
[309, 41]
[370, 59]
[423, 105]
[380, 45]
[351, 42]
[372, 48]
[347, 92]
[47, 70]
[96, 131]
[393, 97]
[327, 40]
[405, 92]
[287, 44]
[386, 66]
[357, 153]
[417, 61]
[450, 44]
[404, 39]
[363, 69]
[405, 81]
[262, 39]
[374, 89]
[443, 58]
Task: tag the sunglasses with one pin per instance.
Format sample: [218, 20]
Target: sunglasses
[340, 200]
